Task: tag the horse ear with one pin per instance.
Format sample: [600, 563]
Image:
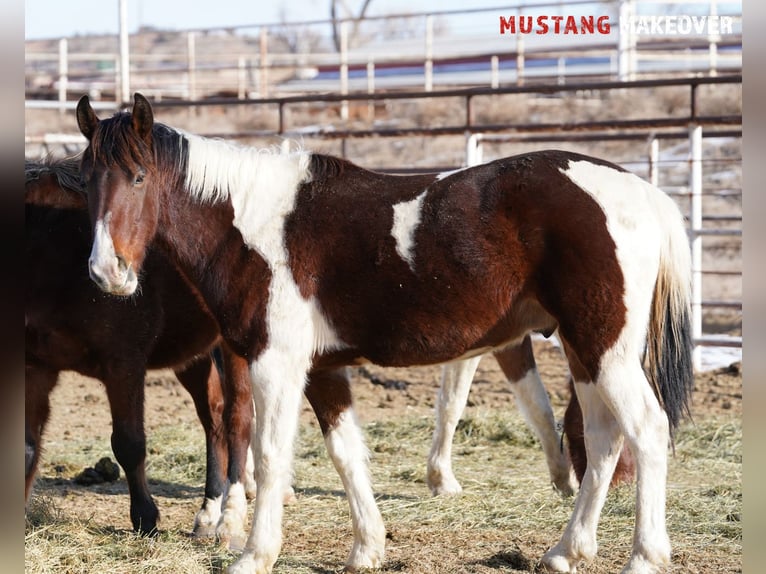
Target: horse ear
[143, 118]
[86, 117]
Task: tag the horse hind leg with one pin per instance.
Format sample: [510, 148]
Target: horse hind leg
[619, 404]
[518, 365]
[237, 421]
[645, 427]
[330, 397]
[200, 378]
[603, 441]
[625, 470]
[455, 385]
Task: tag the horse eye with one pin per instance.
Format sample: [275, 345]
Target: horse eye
[139, 179]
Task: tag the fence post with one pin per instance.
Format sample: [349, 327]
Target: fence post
[429, 63]
[371, 89]
[495, 74]
[263, 89]
[344, 68]
[713, 39]
[695, 224]
[519, 59]
[626, 41]
[63, 73]
[241, 78]
[124, 93]
[191, 65]
[473, 149]
[654, 158]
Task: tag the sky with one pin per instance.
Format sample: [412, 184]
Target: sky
[58, 18]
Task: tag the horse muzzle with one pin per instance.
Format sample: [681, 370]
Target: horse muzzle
[108, 269]
[113, 276]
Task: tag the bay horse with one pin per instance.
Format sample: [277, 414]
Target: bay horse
[310, 261]
[73, 325]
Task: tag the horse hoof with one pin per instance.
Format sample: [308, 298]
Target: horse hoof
[557, 563]
[203, 531]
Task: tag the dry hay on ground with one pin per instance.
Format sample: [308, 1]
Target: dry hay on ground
[506, 518]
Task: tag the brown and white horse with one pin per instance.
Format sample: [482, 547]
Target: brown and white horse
[309, 261]
[71, 325]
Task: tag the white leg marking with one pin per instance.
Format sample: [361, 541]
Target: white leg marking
[230, 530]
[603, 442]
[276, 418]
[207, 518]
[453, 393]
[250, 487]
[533, 402]
[406, 220]
[346, 447]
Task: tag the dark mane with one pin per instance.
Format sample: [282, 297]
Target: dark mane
[66, 171]
[327, 166]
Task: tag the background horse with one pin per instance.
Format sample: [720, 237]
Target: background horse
[72, 325]
[304, 266]
[518, 365]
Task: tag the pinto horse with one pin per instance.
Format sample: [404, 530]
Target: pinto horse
[309, 261]
[72, 325]
[75, 327]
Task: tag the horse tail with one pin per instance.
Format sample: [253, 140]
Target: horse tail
[669, 338]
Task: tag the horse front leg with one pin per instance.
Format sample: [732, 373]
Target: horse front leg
[39, 383]
[453, 394]
[278, 378]
[126, 401]
[330, 397]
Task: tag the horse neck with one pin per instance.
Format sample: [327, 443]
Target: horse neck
[192, 233]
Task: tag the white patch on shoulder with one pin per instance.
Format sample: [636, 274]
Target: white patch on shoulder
[406, 220]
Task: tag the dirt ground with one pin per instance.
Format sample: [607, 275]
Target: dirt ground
[80, 408]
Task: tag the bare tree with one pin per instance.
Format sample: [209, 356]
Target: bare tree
[349, 14]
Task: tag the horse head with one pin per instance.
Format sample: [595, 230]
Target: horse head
[120, 173]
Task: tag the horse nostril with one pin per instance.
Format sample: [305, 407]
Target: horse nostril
[121, 264]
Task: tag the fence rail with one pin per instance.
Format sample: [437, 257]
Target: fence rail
[649, 132]
[262, 59]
